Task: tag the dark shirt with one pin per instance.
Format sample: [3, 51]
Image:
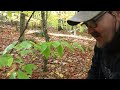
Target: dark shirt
[106, 61]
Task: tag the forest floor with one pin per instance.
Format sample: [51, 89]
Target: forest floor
[70, 66]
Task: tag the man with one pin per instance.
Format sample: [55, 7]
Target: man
[104, 26]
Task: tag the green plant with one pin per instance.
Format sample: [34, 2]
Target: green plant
[28, 47]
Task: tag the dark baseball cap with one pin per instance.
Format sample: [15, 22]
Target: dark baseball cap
[82, 16]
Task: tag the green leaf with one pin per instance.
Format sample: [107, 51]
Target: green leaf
[37, 46]
[23, 45]
[22, 75]
[43, 47]
[9, 14]
[67, 45]
[79, 46]
[10, 61]
[46, 52]
[26, 44]
[32, 42]
[13, 75]
[25, 52]
[11, 46]
[6, 60]
[29, 68]
[60, 50]
[3, 61]
[18, 47]
[56, 44]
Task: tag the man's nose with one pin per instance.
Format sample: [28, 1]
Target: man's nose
[90, 30]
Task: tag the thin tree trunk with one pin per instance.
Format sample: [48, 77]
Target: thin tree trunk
[44, 27]
[46, 16]
[22, 25]
[45, 61]
[60, 21]
[65, 23]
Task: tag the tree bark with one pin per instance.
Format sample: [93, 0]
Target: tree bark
[60, 21]
[44, 26]
[22, 25]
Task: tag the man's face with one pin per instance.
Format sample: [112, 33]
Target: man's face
[104, 31]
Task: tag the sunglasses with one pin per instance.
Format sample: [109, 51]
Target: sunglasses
[93, 22]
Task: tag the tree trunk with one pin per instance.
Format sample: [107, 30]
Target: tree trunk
[60, 24]
[44, 28]
[17, 25]
[60, 21]
[65, 21]
[46, 15]
[64, 24]
[22, 25]
[45, 61]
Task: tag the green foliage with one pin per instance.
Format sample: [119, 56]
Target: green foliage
[9, 13]
[13, 75]
[26, 44]
[22, 75]
[29, 68]
[45, 49]
[56, 44]
[23, 45]
[37, 46]
[67, 45]
[77, 45]
[60, 50]
[25, 52]
[82, 28]
[6, 60]
[53, 20]
[9, 47]
[55, 48]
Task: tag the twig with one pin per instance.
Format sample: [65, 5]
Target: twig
[23, 30]
[26, 25]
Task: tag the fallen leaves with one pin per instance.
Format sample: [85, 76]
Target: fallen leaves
[73, 65]
[12, 69]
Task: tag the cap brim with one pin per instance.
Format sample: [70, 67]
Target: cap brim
[82, 16]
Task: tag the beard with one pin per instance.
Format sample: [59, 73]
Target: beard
[100, 44]
[95, 34]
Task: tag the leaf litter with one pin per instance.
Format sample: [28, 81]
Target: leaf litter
[73, 65]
